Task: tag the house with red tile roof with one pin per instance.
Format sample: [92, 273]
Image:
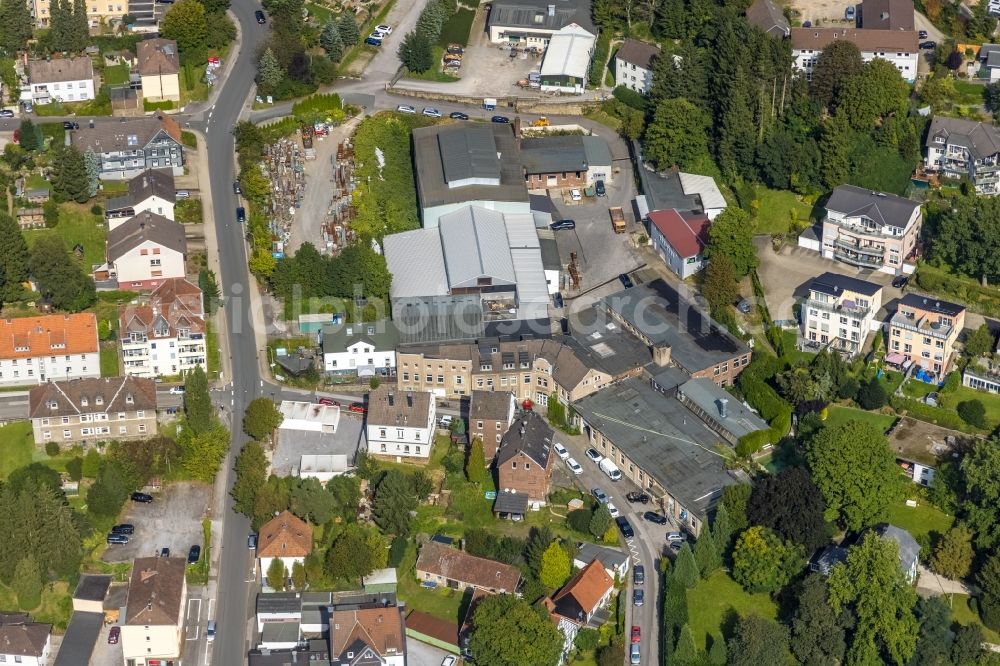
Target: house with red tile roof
[679, 237]
[575, 605]
[285, 537]
[456, 569]
[34, 350]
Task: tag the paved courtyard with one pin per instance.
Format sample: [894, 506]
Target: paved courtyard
[172, 521]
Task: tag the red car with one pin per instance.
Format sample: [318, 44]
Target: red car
[635, 634]
[113, 635]
[328, 402]
[358, 407]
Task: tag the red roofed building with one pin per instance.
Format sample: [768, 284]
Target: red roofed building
[573, 607]
[680, 239]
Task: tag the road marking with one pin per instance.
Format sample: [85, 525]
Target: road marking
[634, 549]
[196, 625]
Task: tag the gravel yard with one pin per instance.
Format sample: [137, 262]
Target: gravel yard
[173, 521]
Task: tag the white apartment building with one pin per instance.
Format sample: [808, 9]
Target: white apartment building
[400, 424]
[959, 148]
[152, 626]
[59, 80]
[151, 191]
[840, 313]
[24, 642]
[145, 252]
[899, 47]
[34, 350]
[872, 230]
[364, 349]
[164, 335]
[634, 65]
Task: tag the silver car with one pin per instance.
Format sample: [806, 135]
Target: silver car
[633, 657]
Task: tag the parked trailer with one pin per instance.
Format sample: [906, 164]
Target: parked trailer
[617, 219]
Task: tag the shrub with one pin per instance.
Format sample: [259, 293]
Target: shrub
[396, 551]
[96, 210]
[189, 139]
[973, 413]
[631, 98]
[74, 467]
[579, 520]
[849, 389]
[51, 449]
[872, 395]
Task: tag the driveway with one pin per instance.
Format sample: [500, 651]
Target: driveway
[173, 521]
[422, 654]
[402, 17]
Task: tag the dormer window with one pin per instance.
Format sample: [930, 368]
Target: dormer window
[184, 332]
[84, 402]
[939, 139]
[99, 400]
[129, 399]
[58, 345]
[22, 348]
[53, 405]
[485, 367]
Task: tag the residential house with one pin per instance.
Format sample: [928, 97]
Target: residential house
[983, 374]
[615, 562]
[359, 349]
[678, 332]
[634, 65]
[567, 60]
[400, 424]
[151, 191]
[491, 413]
[840, 313]
[31, 218]
[34, 350]
[152, 628]
[449, 567]
[145, 252]
[98, 11]
[688, 193]
[531, 23]
[457, 166]
[673, 456]
[960, 148]
[37, 195]
[23, 641]
[769, 17]
[871, 230]
[907, 548]
[480, 270]
[93, 410]
[680, 239]
[989, 59]
[164, 334]
[575, 605]
[59, 80]
[559, 162]
[886, 15]
[159, 67]
[285, 537]
[132, 146]
[374, 635]
[524, 465]
[899, 47]
[924, 330]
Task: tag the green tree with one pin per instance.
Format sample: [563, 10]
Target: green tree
[355, 554]
[873, 95]
[110, 490]
[60, 24]
[79, 27]
[731, 235]
[981, 469]
[201, 454]
[967, 236]
[762, 562]
[14, 258]
[722, 529]
[27, 136]
[261, 418]
[197, 401]
[269, 72]
[209, 290]
[538, 542]
[738, 134]
[92, 161]
[60, 276]
[836, 139]
[415, 52]
[331, 42]
[934, 644]
[982, 24]
[600, 520]
[507, 631]
[348, 29]
[979, 343]
[686, 651]
[27, 583]
[685, 568]
[272, 498]
[705, 554]
[186, 23]
[837, 63]
[855, 471]
[677, 134]
[69, 177]
[953, 555]
[791, 505]
[720, 288]
[37, 521]
[310, 501]
[988, 579]
[299, 578]
[15, 25]
[276, 574]
[972, 412]
[758, 641]
[50, 212]
[872, 395]
[92, 463]
[475, 466]
[817, 638]
[967, 648]
[586, 639]
[555, 567]
[872, 585]
[717, 655]
[394, 500]
[251, 475]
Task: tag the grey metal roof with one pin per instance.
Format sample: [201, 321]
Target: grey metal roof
[909, 549]
[835, 283]
[597, 151]
[668, 377]
[449, 319]
[882, 208]
[416, 261]
[553, 154]
[511, 502]
[79, 639]
[611, 558]
[659, 313]
[532, 15]
[474, 244]
[146, 226]
[931, 304]
[982, 139]
[707, 396]
[278, 602]
[382, 335]
[660, 435]
[550, 254]
[468, 151]
[528, 434]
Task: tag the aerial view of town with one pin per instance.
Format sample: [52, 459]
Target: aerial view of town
[500, 332]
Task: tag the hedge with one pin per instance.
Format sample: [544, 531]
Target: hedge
[771, 406]
[599, 59]
[631, 98]
[924, 412]
[978, 298]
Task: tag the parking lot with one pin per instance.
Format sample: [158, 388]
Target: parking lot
[172, 521]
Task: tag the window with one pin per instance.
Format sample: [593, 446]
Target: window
[141, 414]
[406, 375]
[399, 433]
[142, 427]
[440, 379]
[498, 439]
[498, 425]
[66, 434]
[122, 430]
[381, 432]
[430, 378]
[479, 425]
[513, 464]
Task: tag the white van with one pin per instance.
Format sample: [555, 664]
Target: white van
[610, 469]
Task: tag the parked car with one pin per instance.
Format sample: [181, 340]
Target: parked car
[676, 536]
[599, 188]
[241, 215]
[635, 656]
[807, 24]
[406, 108]
[358, 407]
[849, 13]
[625, 527]
[458, 115]
[562, 225]
[626, 280]
[329, 402]
[259, 15]
[634, 497]
[182, 194]
[117, 539]
[164, 552]
[594, 455]
[639, 574]
[67, 124]
[638, 596]
[455, 49]
[561, 451]
[929, 46]
[210, 631]
[124, 528]
[6, 113]
[654, 517]
[194, 554]
[574, 466]
[922, 34]
[384, 29]
[744, 306]
[114, 635]
[142, 498]
[431, 112]
[613, 510]
[448, 661]
[575, 195]
[900, 281]
[636, 634]
[445, 421]
[600, 495]
[176, 390]
[557, 300]
[252, 542]
[373, 40]
[236, 187]
[500, 119]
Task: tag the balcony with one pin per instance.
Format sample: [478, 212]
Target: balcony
[844, 307]
[857, 259]
[921, 326]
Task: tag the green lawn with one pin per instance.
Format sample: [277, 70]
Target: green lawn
[321, 13]
[914, 388]
[116, 75]
[457, 28]
[964, 615]
[36, 181]
[991, 401]
[212, 349]
[968, 93]
[839, 415]
[76, 225]
[109, 360]
[792, 354]
[777, 209]
[921, 519]
[712, 602]
[16, 447]
[55, 608]
[443, 603]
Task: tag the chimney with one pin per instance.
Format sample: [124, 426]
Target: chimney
[391, 398]
[552, 10]
[661, 356]
[722, 407]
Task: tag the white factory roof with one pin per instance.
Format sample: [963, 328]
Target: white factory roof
[705, 187]
[568, 53]
[308, 411]
[416, 261]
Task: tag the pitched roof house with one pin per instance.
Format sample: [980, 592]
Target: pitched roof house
[957, 147]
[59, 346]
[400, 423]
[769, 17]
[634, 65]
[159, 66]
[93, 410]
[458, 570]
[59, 79]
[23, 641]
[524, 464]
[158, 138]
[151, 191]
[572, 607]
[286, 537]
[145, 251]
[164, 334]
[490, 415]
[680, 239]
[153, 623]
[368, 636]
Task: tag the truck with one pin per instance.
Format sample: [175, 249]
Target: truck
[617, 219]
[489, 104]
[610, 469]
